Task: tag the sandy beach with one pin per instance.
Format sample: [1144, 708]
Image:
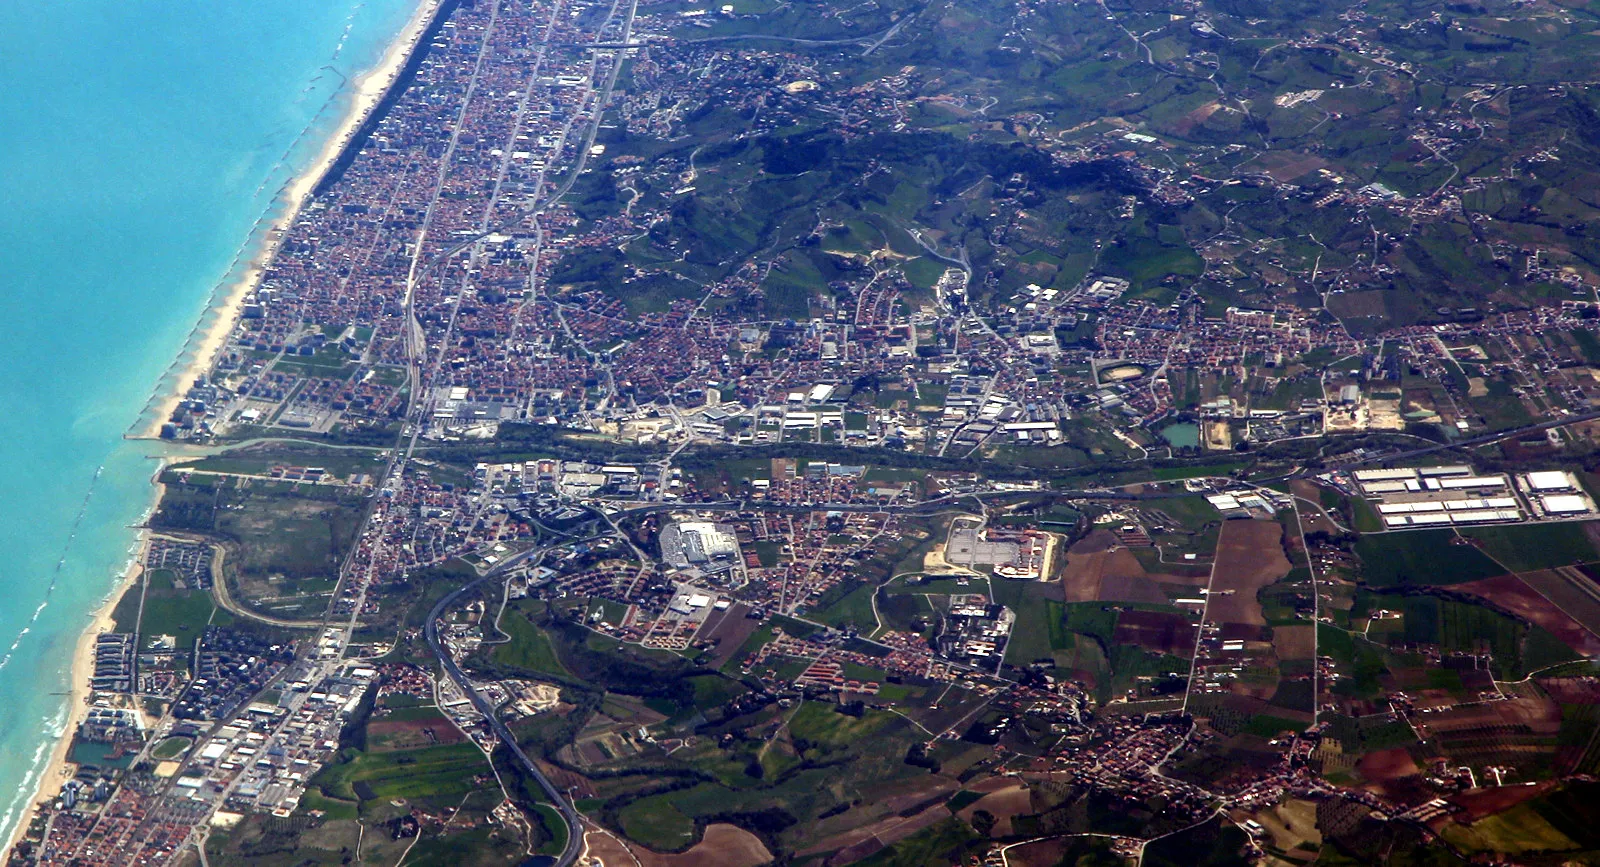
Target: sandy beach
[211, 333]
[201, 350]
[59, 770]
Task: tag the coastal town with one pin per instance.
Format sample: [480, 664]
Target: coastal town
[735, 434]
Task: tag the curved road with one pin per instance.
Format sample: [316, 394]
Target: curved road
[558, 799]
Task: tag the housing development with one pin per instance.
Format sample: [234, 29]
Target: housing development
[1005, 432]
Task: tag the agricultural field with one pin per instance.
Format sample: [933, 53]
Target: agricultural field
[393, 730]
[1098, 568]
[1532, 598]
[1422, 558]
[1529, 547]
[720, 843]
[1513, 832]
[1571, 591]
[1086, 269]
[1250, 556]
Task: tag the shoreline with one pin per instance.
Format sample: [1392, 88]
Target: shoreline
[205, 343]
[208, 340]
[59, 769]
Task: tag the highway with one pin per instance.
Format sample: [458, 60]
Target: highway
[417, 415]
[557, 798]
[925, 507]
[1480, 440]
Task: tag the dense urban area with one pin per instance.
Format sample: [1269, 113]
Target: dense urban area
[896, 433]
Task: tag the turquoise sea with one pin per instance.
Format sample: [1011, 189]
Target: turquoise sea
[142, 142]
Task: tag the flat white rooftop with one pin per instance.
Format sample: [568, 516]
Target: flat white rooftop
[1550, 480]
[1564, 504]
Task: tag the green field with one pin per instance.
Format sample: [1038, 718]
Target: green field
[751, 645]
[331, 807]
[942, 845]
[905, 612]
[1368, 733]
[712, 690]
[1172, 474]
[1517, 830]
[1423, 557]
[554, 827]
[1454, 626]
[1362, 662]
[1039, 627]
[1094, 619]
[479, 846]
[183, 614]
[529, 649]
[1214, 844]
[1526, 547]
[1037, 632]
[850, 608]
[1367, 519]
[171, 748]
[1192, 512]
[438, 773]
[1574, 810]
[1268, 726]
[768, 553]
[819, 724]
[656, 823]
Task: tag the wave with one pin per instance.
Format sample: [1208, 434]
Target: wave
[349, 24]
[276, 182]
[55, 576]
[36, 766]
[272, 187]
